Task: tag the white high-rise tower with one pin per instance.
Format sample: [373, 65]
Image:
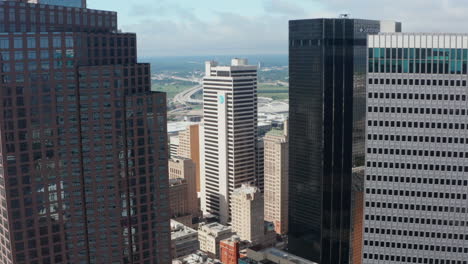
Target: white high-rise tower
[229, 134]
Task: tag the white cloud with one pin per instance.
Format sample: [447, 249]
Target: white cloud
[283, 7]
[176, 30]
[416, 15]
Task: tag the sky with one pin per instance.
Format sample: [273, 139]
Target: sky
[225, 27]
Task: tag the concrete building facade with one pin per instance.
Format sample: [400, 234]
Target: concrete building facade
[248, 214]
[184, 240]
[416, 184]
[178, 200]
[210, 236]
[189, 147]
[276, 179]
[229, 134]
[183, 168]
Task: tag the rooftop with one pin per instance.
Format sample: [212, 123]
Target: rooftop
[179, 230]
[246, 189]
[176, 181]
[276, 132]
[198, 258]
[214, 228]
[279, 256]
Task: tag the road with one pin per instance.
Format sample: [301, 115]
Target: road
[185, 97]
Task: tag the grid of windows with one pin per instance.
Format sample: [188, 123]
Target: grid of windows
[416, 151]
[70, 183]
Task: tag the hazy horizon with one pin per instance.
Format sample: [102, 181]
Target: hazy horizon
[185, 27]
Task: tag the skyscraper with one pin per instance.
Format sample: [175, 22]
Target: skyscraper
[327, 65]
[229, 134]
[67, 3]
[276, 179]
[83, 140]
[259, 164]
[248, 214]
[189, 147]
[416, 177]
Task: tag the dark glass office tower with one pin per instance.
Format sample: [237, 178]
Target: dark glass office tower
[83, 147]
[327, 136]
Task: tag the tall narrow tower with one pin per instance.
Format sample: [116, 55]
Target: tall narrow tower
[327, 64]
[229, 133]
[248, 214]
[276, 166]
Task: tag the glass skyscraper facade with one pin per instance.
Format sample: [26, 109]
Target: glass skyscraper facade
[83, 149]
[67, 3]
[327, 66]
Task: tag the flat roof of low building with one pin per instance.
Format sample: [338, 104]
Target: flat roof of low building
[286, 256]
[215, 227]
[179, 230]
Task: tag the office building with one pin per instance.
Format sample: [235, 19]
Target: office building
[66, 3]
[189, 147]
[178, 200]
[416, 185]
[229, 250]
[184, 240]
[248, 213]
[259, 165]
[276, 179]
[182, 168]
[174, 145]
[210, 236]
[327, 70]
[83, 141]
[229, 134]
[197, 258]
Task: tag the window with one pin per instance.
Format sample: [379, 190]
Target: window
[31, 43]
[18, 55]
[5, 55]
[44, 54]
[69, 42]
[18, 43]
[57, 42]
[4, 43]
[32, 55]
[44, 42]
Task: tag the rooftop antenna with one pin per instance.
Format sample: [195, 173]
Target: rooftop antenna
[345, 16]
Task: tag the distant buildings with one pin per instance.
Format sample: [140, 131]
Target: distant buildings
[416, 176]
[209, 236]
[184, 240]
[327, 100]
[247, 214]
[229, 134]
[276, 160]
